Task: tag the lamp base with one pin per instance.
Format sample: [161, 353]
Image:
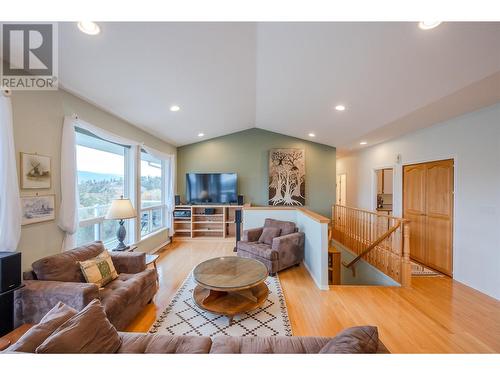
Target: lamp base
[120, 235]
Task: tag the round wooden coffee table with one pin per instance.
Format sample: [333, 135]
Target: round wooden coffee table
[230, 285]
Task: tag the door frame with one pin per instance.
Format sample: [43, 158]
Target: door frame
[455, 194]
[345, 187]
[375, 182]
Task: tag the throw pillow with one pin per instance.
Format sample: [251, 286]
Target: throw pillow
[37, 334]
[99, 270]
[268, 234]
[354, 340]
[89, 331]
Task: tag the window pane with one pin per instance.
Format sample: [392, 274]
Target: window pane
[108, 235]
[145, 223]
[101, 178]
[151, 177]
[85, 235]
[156, 218]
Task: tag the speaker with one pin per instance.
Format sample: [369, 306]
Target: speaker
[177, 200]
[240, 200]
[209, 211]
[237, 216]
[10, 271]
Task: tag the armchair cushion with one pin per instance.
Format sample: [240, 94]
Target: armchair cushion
[286, 227]
[353, 340]
[89, 331]
[268, 234]
[260, 250]
[128, 262]
[252, 235]
[65, 266]
[37, 334]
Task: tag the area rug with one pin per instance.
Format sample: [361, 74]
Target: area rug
[183, 317]
[420, 270]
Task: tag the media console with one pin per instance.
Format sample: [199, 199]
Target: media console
[195, 222]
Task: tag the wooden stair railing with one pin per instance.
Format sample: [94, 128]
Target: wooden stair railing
[353, 262]
[379, 239]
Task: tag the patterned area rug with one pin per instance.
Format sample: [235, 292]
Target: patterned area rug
[420, 270]
[183, 317]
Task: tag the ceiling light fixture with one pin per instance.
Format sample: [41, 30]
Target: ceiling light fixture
[312, 135]
[201, 134]
[340, 107]
[89, 27]
[362, 143]
[175, 108]
[427, 25]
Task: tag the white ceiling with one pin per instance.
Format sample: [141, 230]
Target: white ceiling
[283, 77]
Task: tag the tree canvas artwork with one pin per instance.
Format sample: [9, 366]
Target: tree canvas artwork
[287, 177]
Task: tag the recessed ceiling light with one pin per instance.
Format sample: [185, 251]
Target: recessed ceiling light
[362, 143]
[312, 135]
[89, 27]
[175, 108]
[201, 134]
[427, 25]
[340, 107]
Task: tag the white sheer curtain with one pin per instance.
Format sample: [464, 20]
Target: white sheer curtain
[169, 160]
[10, 204]
[68, 216]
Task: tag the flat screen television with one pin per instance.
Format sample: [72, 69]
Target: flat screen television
[211, 188]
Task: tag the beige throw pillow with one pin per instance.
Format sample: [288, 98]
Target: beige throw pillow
[89, 331]
[99, 270]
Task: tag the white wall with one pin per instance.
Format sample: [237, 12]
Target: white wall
[473, 141]
[316, 238]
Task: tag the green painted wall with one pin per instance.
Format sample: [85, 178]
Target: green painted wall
[246, 153]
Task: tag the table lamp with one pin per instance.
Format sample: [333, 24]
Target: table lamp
[121, 209]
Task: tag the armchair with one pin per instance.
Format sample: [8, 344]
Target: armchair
[285, 251]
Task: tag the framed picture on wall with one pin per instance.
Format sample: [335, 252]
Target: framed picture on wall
[36, 171]
[39, 208]
[287, 177]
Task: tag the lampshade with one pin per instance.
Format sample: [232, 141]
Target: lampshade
[121, 209]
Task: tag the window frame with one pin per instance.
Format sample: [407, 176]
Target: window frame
[98, 221]
[162, 207]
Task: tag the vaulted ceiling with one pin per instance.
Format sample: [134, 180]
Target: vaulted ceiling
[283, 77]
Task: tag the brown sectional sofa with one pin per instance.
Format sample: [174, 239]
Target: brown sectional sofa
[58, 278]
[285, 251]
[66, 330]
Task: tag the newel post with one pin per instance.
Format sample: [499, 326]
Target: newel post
[405, 262]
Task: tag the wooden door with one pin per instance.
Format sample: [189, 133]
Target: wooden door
[414, 208]
[380, 181]
[387, 181]
[439, 207]
[428, 203]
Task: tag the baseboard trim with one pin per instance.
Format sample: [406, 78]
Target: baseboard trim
[318, 284]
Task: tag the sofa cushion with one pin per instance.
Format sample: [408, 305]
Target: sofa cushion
[287, 227]
[267, 345]
[354, 340]
[37, 334]
[89, 331]
[268, 234]
[261, 250]
[125, 290]
[157, 344]
[99, 270]
[65, 266]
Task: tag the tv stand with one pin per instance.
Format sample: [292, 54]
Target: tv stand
[200, 226]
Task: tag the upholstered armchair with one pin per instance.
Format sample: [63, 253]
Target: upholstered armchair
[279, 247]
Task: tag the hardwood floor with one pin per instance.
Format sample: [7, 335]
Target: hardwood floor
[434, 315]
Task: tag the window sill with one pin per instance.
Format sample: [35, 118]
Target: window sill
[152, 234]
